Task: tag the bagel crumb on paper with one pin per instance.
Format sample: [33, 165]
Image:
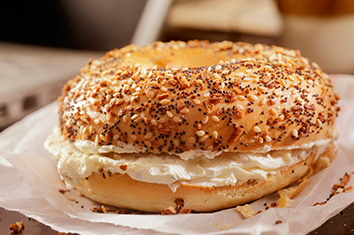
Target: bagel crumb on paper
[246, 211]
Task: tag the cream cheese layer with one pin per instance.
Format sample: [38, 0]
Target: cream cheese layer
[80, 159]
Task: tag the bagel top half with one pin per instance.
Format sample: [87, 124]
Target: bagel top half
[176, 97]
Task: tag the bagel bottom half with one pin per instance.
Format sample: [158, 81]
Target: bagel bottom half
[124, 192]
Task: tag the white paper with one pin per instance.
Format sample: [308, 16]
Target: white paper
[32, 188]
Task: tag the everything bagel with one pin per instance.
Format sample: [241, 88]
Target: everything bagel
[214, 124]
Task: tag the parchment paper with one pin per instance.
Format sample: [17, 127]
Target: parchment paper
[30, 184]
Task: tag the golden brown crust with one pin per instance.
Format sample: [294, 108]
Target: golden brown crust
[181, 97]
[122, 191]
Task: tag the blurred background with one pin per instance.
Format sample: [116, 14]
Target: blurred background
[45, 43]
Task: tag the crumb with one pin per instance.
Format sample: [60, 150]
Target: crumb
[278, 222]
[339, 188]
[345, 178]
[17, 227]
[169, 211]
[185, 211]
[62, 191]
[128, 211]
[101, 209]
[246, 211]
[260, 211]
[178, 209]
[225, 227]
[291, 192]
[348, 189]
[284, 202]
[274, 204]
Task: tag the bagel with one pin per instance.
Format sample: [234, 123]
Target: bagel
[214, 124]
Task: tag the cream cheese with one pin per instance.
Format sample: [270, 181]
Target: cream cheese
[80, 159]
[90, 147]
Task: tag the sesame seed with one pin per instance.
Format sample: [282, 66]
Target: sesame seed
[241, 98]
[295, 133]
[273, 112]
[165, 102]
[262, 101]
[97, 139]
[239, 107]
[204, 138]
[133, 137]
[253, 97]
[256, 129]
[298, 99]
[200, 133]
[215, 134]
[292, 78]
[191, 140]
[177, 119]
[169, 114]
[196, 101]
[153, 122]
[135, 116]
[205, 120]
[163, 89]
[319, 123]
[253, 75]
[240, 75]
[218, 67]
[215, 119]
[148, 135]
[161, 120]
[185, 111]
[268, 138]
[282, 82]
[216, 76]
[147, 143]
